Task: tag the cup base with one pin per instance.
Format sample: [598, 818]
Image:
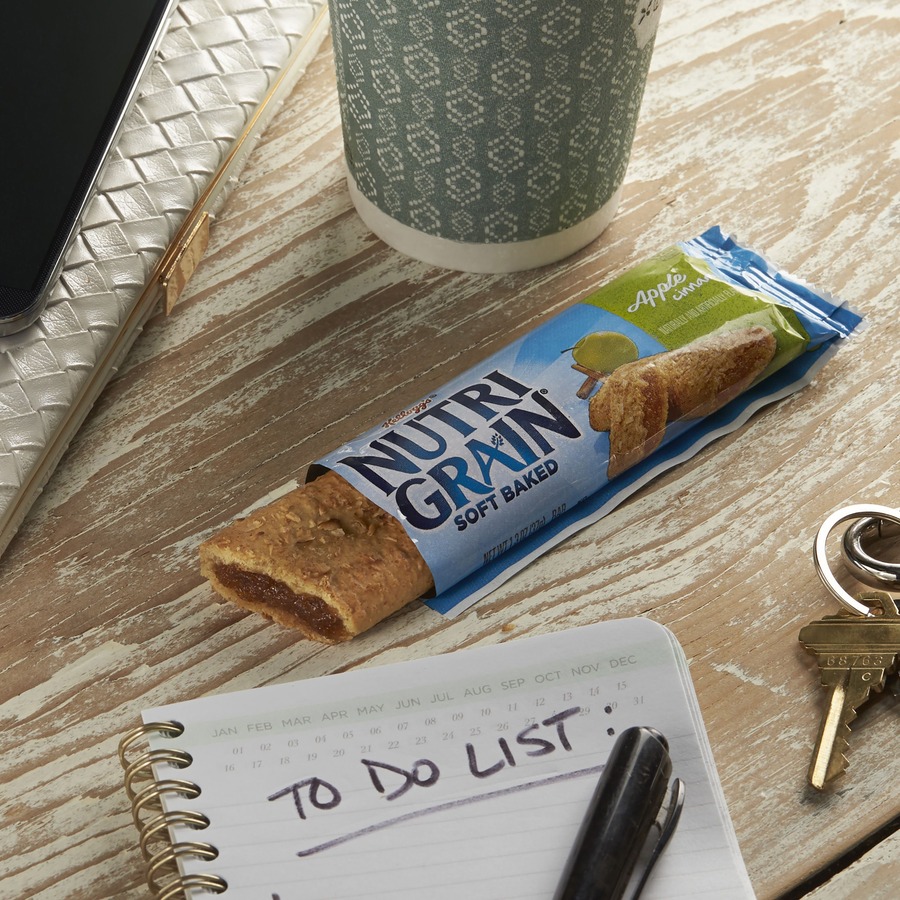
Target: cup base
[514, 256]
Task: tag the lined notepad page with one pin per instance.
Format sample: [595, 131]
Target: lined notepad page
[464, 775]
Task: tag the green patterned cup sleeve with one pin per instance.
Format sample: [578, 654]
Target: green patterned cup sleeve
[497, 131]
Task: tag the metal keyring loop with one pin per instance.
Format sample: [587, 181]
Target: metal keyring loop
[856, 511]
[877, 573]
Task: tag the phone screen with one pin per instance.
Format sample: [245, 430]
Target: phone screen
[67, 73]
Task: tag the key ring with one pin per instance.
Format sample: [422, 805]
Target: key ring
[856, 511]
[877, 573]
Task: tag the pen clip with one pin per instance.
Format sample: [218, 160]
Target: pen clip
[614, 848]
[669, 814]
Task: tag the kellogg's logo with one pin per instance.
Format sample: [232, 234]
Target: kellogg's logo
[421, 406]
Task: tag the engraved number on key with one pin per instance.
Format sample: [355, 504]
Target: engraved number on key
[855, 655]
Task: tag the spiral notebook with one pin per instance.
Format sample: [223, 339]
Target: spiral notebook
[465, 774]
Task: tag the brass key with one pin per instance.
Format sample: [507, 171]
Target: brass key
[855, 655]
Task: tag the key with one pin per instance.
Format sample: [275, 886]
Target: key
[855, 656]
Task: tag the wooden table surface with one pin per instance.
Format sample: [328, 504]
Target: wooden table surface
[778, 120]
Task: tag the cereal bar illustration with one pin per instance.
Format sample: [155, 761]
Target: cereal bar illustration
[639, 398]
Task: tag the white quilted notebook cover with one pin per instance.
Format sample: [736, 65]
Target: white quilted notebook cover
[222, 66]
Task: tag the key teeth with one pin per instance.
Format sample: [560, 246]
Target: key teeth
[822, 771]
[836, 765]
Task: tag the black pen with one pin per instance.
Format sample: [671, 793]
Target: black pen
[625, 807]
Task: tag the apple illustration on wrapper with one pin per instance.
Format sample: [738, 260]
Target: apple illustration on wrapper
[598, 354]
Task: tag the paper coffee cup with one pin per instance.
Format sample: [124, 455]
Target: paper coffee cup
[490, 136]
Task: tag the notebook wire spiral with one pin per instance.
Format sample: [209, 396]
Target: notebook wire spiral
[152, 820]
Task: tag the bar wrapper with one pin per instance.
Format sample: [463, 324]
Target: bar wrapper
[551, 433]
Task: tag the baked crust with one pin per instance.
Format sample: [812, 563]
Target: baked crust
[638, 408]
[706, 374]
[697, 380]
[323, 559]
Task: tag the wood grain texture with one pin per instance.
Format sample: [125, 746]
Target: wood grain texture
[300, 329]
[874, 876]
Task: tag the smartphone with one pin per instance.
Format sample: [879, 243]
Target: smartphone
[69, 73]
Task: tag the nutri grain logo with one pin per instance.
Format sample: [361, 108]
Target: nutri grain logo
[489, 441]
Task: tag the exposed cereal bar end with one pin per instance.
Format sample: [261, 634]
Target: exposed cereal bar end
[323, 559]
